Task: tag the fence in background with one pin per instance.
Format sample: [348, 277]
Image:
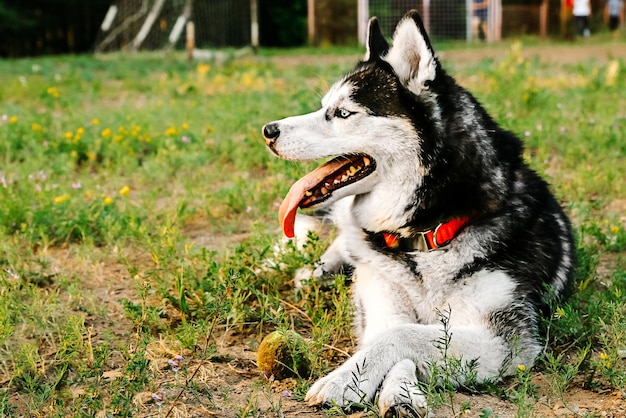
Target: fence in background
[37, 27]
[458, 19]
[161, 24]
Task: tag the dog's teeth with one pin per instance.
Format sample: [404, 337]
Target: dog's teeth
[308, 193]
[324, 190]
[335, 182]
[366, 161]
[345, 177]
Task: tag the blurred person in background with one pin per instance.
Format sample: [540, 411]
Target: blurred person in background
[613, 13]
[582, 11]
[479, 21]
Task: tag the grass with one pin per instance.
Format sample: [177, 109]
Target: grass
[138, 209]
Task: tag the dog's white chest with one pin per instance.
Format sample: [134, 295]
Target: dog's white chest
[388, 294]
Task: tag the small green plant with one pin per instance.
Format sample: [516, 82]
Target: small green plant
[563, 372]
[134, 378]
[523, 393]
[448, 373]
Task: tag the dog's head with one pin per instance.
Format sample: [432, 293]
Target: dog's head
[377, 124]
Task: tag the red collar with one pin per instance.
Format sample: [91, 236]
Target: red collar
[428, 240]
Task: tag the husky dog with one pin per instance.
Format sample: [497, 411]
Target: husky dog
[457, 245]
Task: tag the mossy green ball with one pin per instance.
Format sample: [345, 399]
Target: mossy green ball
[283, 354]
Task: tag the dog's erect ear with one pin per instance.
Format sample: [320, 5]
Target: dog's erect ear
[411, 54]
[377, 45]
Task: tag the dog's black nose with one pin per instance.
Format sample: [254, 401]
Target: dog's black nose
[271, 132]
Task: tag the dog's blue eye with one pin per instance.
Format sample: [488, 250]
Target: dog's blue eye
[343, 113]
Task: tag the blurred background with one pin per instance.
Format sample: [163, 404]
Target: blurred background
[38, 27]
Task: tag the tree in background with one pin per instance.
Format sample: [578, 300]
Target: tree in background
[336, 22]
[12, 20]
[36, 27]
[282, 23]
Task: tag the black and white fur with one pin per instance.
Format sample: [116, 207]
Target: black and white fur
[438, 155]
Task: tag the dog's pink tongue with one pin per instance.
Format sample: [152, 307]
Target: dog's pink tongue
[289, 207]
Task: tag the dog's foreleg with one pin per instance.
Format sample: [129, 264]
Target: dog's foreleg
[334, 260]
[361, 375]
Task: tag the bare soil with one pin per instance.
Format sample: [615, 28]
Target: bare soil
[548, 53]
[553, 54]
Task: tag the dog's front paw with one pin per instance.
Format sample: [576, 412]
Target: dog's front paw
[335, 389]
[302, 277]
[400, 395]
[348, 385]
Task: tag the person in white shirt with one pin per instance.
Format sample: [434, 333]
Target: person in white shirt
[582, 10]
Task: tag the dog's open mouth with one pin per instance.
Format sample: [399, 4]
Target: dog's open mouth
[318, 185]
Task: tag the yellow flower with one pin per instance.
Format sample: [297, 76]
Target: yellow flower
[61, 199]
[521, 367]
[13, 119]
[611, 73]
[95, 121]
[68, 135]
[106, 133]
[124, 191]
[614, 229]
[134, 130]
[108, 200]
[247, 79]
[603, 356]
[36, 127]
[170, 131]
[203, 68]
[185, 126]
[53, 91]
[80, 131]
[560, 313]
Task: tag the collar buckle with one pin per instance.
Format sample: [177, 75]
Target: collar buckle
[427, 241]
[420, 242]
